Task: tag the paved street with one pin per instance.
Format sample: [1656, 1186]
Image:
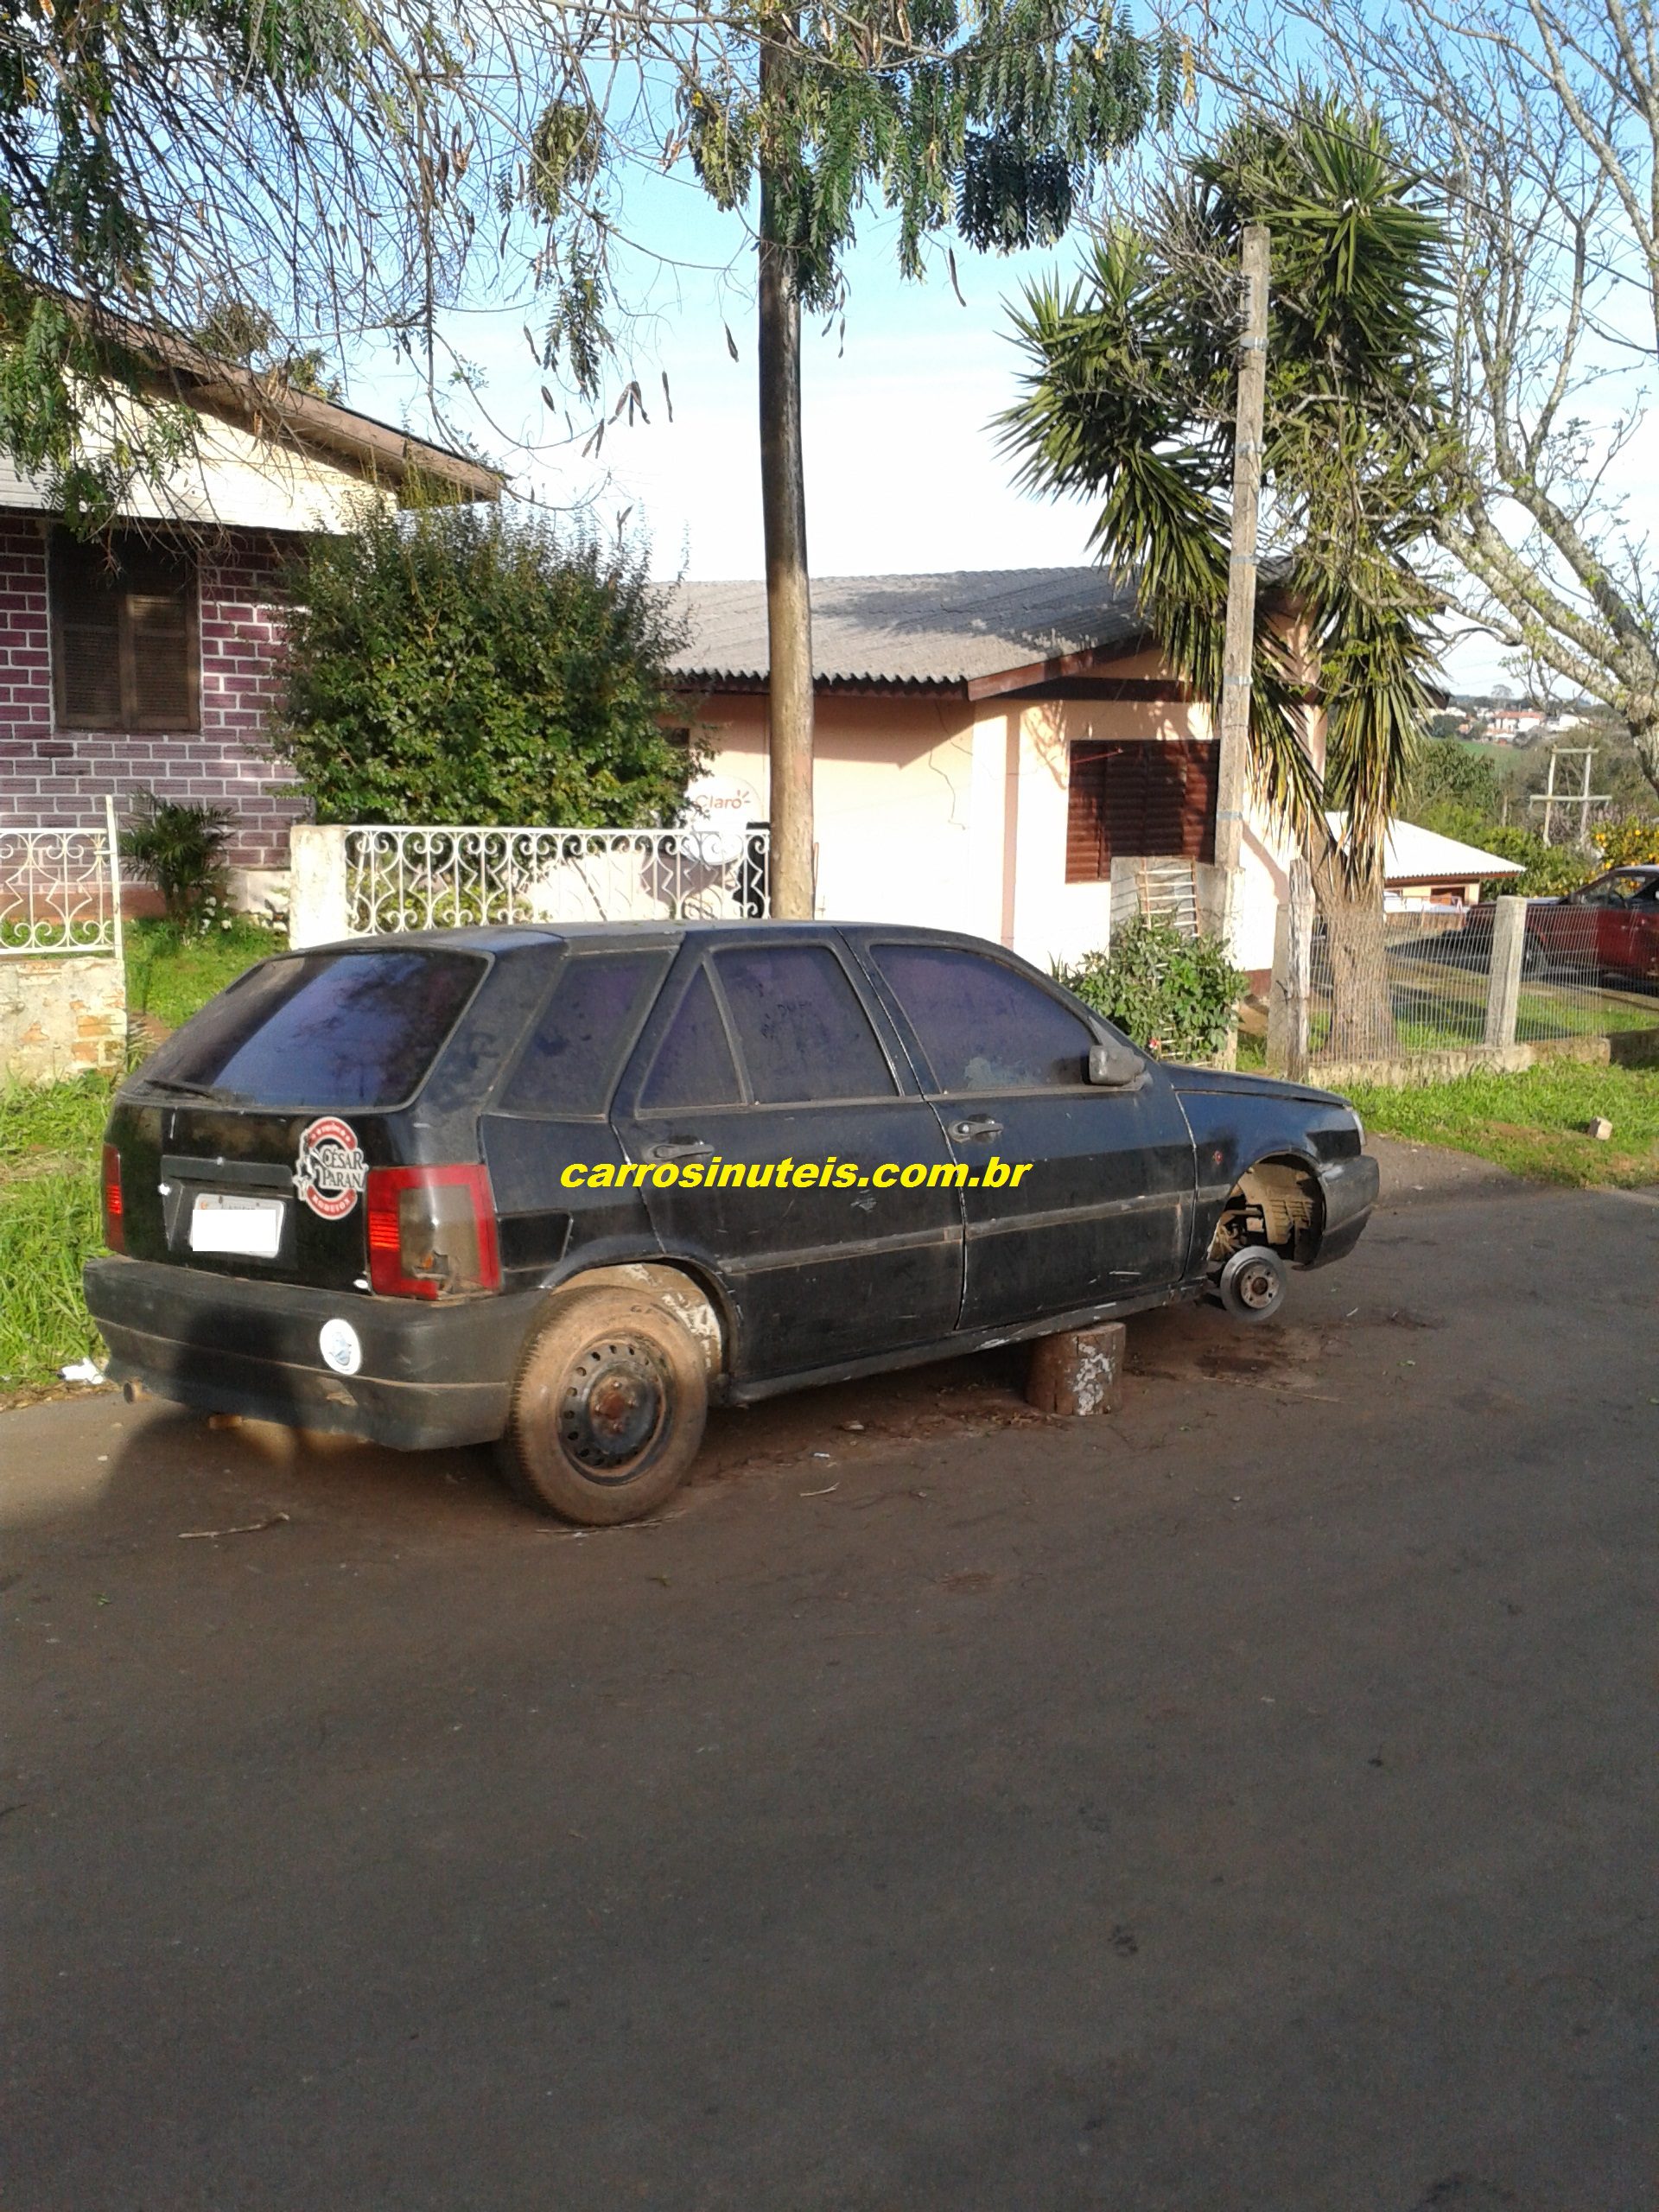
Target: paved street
[1248, 1801]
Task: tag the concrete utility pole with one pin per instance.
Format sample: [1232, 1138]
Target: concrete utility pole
[1239, 649]
[789, 600]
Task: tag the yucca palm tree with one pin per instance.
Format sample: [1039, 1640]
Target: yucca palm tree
[1130, 399]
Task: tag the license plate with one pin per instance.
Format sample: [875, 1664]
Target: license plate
[252, 1227]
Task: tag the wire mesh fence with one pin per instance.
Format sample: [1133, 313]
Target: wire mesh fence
[1398, 986]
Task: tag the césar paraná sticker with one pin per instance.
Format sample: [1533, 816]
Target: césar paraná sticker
[331, 1169]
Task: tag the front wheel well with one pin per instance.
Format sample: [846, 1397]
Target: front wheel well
[1276, 1202]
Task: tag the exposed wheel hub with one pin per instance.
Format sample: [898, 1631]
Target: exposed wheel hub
[614, 1405]
[1257, 1287]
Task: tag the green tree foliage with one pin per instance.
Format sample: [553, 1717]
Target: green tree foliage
[461, 665]
[158, 157]
[1129, 400]
[987, 121]
[1174, 994]
[1447, 774]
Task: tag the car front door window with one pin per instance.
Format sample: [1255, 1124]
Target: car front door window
[982, 1027]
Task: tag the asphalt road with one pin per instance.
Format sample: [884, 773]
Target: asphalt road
[1248, 1801]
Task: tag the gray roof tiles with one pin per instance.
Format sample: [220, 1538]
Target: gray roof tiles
[952, 628]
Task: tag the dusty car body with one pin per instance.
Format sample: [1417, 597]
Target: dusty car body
[418, 1188]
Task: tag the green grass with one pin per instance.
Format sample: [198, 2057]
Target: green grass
[48, 1224]
[170, 977]
[1533, 1123]
[49, 1137]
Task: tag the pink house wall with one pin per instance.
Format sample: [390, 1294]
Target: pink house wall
[58, 778]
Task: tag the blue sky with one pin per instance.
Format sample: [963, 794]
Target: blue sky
[902, 469]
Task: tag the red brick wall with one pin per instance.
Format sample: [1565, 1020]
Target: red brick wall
[59, 777]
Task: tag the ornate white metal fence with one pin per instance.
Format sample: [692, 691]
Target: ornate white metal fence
[61, 889]
[427, 878]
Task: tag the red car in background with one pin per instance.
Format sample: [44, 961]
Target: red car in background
[1626, 903]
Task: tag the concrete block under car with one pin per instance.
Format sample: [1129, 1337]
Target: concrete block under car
[1080, 1371]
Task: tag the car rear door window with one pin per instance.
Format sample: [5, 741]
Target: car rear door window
[983, 1027]
[571, 1062]
[340, 1029]
[803, 1034]
[694, 1065]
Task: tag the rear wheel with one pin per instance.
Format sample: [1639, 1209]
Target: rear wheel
[608, 1411]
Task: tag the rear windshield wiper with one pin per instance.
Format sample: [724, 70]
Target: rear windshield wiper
[208, 1090]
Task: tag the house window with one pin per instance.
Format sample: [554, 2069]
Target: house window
[126, 652]
[1142, 797]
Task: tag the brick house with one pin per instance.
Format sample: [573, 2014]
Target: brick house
[148, 659]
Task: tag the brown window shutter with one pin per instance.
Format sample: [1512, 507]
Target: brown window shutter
[160, 642]
[1143, 798]
[126, 652]
[1199, 812]
[161, 657]
[1088, 855]
[85, 600]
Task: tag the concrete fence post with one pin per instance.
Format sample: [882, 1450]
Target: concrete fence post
[318, 910]
[1288, 993]
[1503, 981]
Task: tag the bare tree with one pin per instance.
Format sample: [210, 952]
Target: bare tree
[1537, 123]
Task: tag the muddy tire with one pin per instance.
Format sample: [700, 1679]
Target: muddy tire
[607, 1410]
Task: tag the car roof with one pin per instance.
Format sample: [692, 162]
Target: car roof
[508, 936]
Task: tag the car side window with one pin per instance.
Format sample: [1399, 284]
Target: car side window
[694, 1065]
[1609, 891]
[982, 1025]
[803, 1034]
[571, 1062]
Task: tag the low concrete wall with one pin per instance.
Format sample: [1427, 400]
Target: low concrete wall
[60, 1015]
[1636, 1048]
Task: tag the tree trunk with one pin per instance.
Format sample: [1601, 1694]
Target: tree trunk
[1645, 736]
[788, 603]
[1362, 1005]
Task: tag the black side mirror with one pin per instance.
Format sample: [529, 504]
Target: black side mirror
[1115, 1066]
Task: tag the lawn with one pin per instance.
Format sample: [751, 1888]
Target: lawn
[48, 1155]
[1533, 1123]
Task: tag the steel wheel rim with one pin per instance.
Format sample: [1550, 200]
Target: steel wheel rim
[613, 1407]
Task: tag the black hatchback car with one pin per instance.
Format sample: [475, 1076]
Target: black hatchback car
[561, 1189]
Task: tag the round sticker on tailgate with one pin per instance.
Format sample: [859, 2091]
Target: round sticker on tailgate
[331, 1169]
[337, 1341]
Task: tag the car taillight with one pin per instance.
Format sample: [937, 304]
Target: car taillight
[431, 1232]
[115, 1220]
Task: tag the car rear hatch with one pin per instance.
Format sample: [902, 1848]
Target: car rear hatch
[245, 1146]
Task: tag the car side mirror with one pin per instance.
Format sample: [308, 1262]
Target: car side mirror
[1114, 1066]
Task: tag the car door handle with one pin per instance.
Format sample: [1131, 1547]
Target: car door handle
[983, 1128]
[681, 1148]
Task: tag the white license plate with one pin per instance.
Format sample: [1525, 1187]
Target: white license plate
[253, 1227]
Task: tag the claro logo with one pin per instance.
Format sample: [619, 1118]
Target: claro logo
[331, 1169]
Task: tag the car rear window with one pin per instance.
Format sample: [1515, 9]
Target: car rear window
[341, 1029]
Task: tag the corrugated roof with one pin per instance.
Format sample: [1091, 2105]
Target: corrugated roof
[953, 628]
[1418, 855]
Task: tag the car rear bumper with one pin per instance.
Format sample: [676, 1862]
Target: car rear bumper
[1350, 1187]
[430, 1375]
